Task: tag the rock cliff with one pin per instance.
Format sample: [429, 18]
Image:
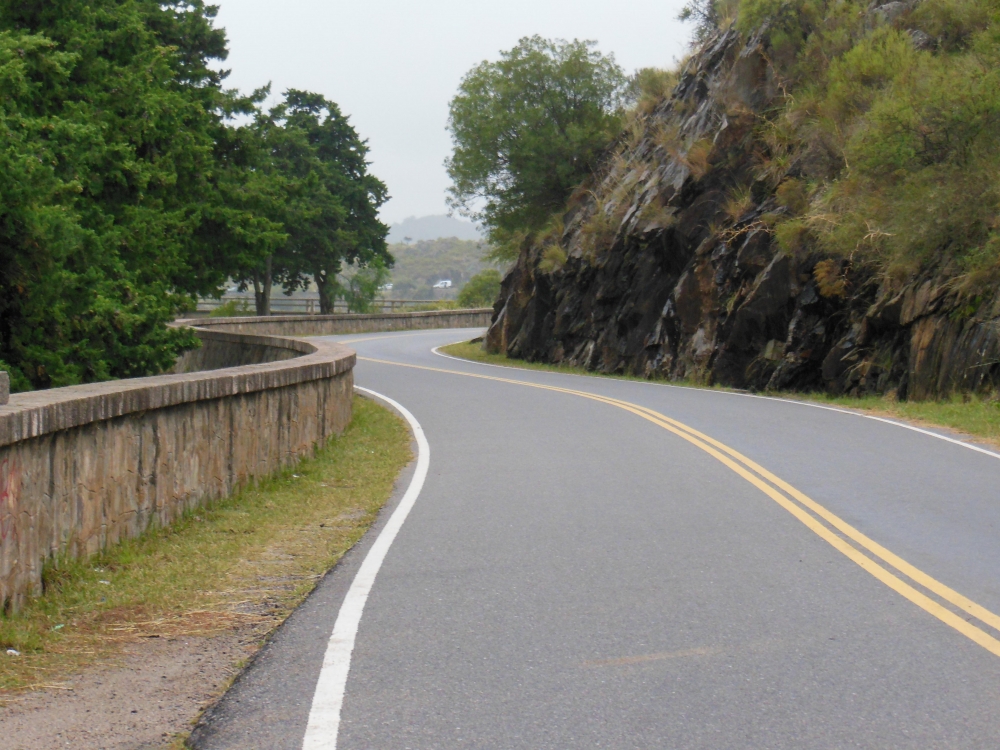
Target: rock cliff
[665, 266]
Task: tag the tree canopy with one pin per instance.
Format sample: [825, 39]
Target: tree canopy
[127, 189]
[529, 128]
[332, 203]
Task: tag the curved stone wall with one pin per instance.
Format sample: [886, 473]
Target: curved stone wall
[86, 466]
[329, 325]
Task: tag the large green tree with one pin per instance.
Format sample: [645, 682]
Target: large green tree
[529, 128]
[332, 206]
[132, 182]
[108, 123]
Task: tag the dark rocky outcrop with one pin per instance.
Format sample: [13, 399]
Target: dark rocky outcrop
[665, 266]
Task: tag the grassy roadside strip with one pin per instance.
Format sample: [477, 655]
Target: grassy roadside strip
[973, 415]
[247, 560]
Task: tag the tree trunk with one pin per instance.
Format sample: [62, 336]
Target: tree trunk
[262, 289]
[327, 292]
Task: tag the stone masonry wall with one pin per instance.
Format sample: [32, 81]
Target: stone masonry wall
[84, 467]
[330, 325]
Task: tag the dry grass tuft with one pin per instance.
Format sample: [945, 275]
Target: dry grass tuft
[598, 231]
[553, 259]
[656, 216]
[829, 278]
[740, 201]
[697, 157]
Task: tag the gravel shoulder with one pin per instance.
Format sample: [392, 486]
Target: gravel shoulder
[148, 698]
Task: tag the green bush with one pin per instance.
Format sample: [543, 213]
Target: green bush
[885, 153]
[481, 290]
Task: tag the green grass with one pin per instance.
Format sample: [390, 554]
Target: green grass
[973, 415]
[247, 560]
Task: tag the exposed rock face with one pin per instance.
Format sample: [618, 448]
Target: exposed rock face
[660, 271]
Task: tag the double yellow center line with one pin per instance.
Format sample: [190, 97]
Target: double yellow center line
[814, 516]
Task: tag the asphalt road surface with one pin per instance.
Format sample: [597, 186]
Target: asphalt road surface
[600, 563]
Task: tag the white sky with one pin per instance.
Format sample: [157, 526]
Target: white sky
[393, 66]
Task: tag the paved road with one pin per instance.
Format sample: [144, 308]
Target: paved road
[582, 573]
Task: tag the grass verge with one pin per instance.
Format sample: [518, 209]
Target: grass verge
[246, 560]
[971, 414]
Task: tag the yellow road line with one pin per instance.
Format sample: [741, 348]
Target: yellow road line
[845, 528]
[756, 474]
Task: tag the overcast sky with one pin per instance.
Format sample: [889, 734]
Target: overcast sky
[393, 65]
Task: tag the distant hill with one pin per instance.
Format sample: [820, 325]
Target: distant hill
[432, 228]
[421, 264]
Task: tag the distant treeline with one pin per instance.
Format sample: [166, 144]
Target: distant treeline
[421, 264]
[132, 181]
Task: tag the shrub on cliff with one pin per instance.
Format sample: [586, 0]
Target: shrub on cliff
[890, 129]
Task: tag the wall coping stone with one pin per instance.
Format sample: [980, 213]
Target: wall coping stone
[35, 413]
[209, 322]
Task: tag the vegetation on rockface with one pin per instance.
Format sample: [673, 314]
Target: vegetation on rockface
[527, 129]
[127, 189]
[883, 151]
[814, 205]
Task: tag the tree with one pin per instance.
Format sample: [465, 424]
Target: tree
[127, 189]
[528, 129]
[332, 204]
[481, 290]
[246, 222]
[107, 130]
[362, 287]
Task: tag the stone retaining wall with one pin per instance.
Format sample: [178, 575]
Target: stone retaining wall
[223, 349]
[329, 325]
[84, 467]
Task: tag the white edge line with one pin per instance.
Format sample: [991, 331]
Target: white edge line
[894, 423]
[328, 699]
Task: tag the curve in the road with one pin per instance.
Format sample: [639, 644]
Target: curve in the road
[616, 590]
[744, 394]
[774, 487]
